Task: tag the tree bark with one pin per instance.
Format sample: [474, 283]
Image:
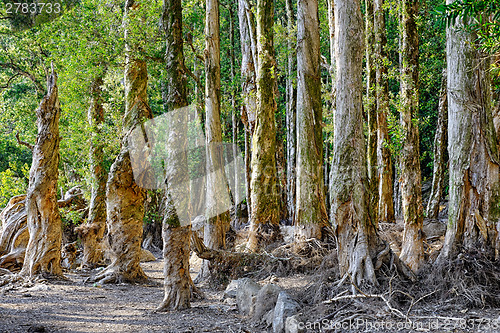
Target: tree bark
[43, 252]
[291, 111]
[473, 152]
[125, 199]
[248, 85]
[217, 193]
[93, 231]
[440, 141]
[264, 226]
[357, 240]
[176, 231]
[311, 209]
[234, 118]
[412, 252]
[384, 162]
[371, 111]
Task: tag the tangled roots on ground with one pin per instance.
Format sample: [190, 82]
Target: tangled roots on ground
[472, 279]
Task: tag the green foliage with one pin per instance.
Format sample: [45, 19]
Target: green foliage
[13, 181]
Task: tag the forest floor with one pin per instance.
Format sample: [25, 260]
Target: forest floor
[75, 306]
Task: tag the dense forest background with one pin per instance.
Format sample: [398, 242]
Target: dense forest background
[89, 40]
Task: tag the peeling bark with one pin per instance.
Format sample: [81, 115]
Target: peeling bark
[43, 252]
[440, 141]
[412, 252]
[264, 226]
[93, 231]
[176, 236]
[124, 198]
[384, 162]
[473, 152]
[357, 240]
[311, 210]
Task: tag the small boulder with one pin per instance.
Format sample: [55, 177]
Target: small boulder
[292, 325]
[285, 307]
[246, 295]
[232, 288]
[265, 301]
[147, 256]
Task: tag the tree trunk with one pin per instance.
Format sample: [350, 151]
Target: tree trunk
[384, 162]
[311, 209]
[93, 232]
[248, 85]
[440, 140]
[264, 226]
[357, 240]
[291, 111]
[218, 220]
[473, 152]
[371, 111]
[176, 221]
[412, 252]
[125, 199]
[43, 253]
[333, 71]
[234, 119]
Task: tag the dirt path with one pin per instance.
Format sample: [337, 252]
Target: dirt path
[72, 306]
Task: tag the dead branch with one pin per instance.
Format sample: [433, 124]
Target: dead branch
[29, 145]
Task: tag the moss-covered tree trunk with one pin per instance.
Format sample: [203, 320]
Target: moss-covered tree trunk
[248, 85]
[311, 210]
[176, 222]
[439, 150]
[357, 240]
[472, 149]
[124, 197]
[43, 253]
[384, 162]
[93, 231]
[264, 226]
[371, 110]
[291, 112]
[412, 252]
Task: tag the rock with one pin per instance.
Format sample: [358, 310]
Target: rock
[198, 225]
[434, 228]
[246, 295]
[147, 256]
[285, 307]
[265, 301]
[232, 288]
[268, 318]
[292, 325]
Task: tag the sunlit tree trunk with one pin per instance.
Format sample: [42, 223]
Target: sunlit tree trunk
[412, 252]
[291, 111]
[43, 253]
[371, 110]
[311, 210]
[357, 240]
[124, 198]
[472, 148]
[440, 141]
[264, 226]
[384, 162]
[176, 233]
[248, 85]
[93, 231]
